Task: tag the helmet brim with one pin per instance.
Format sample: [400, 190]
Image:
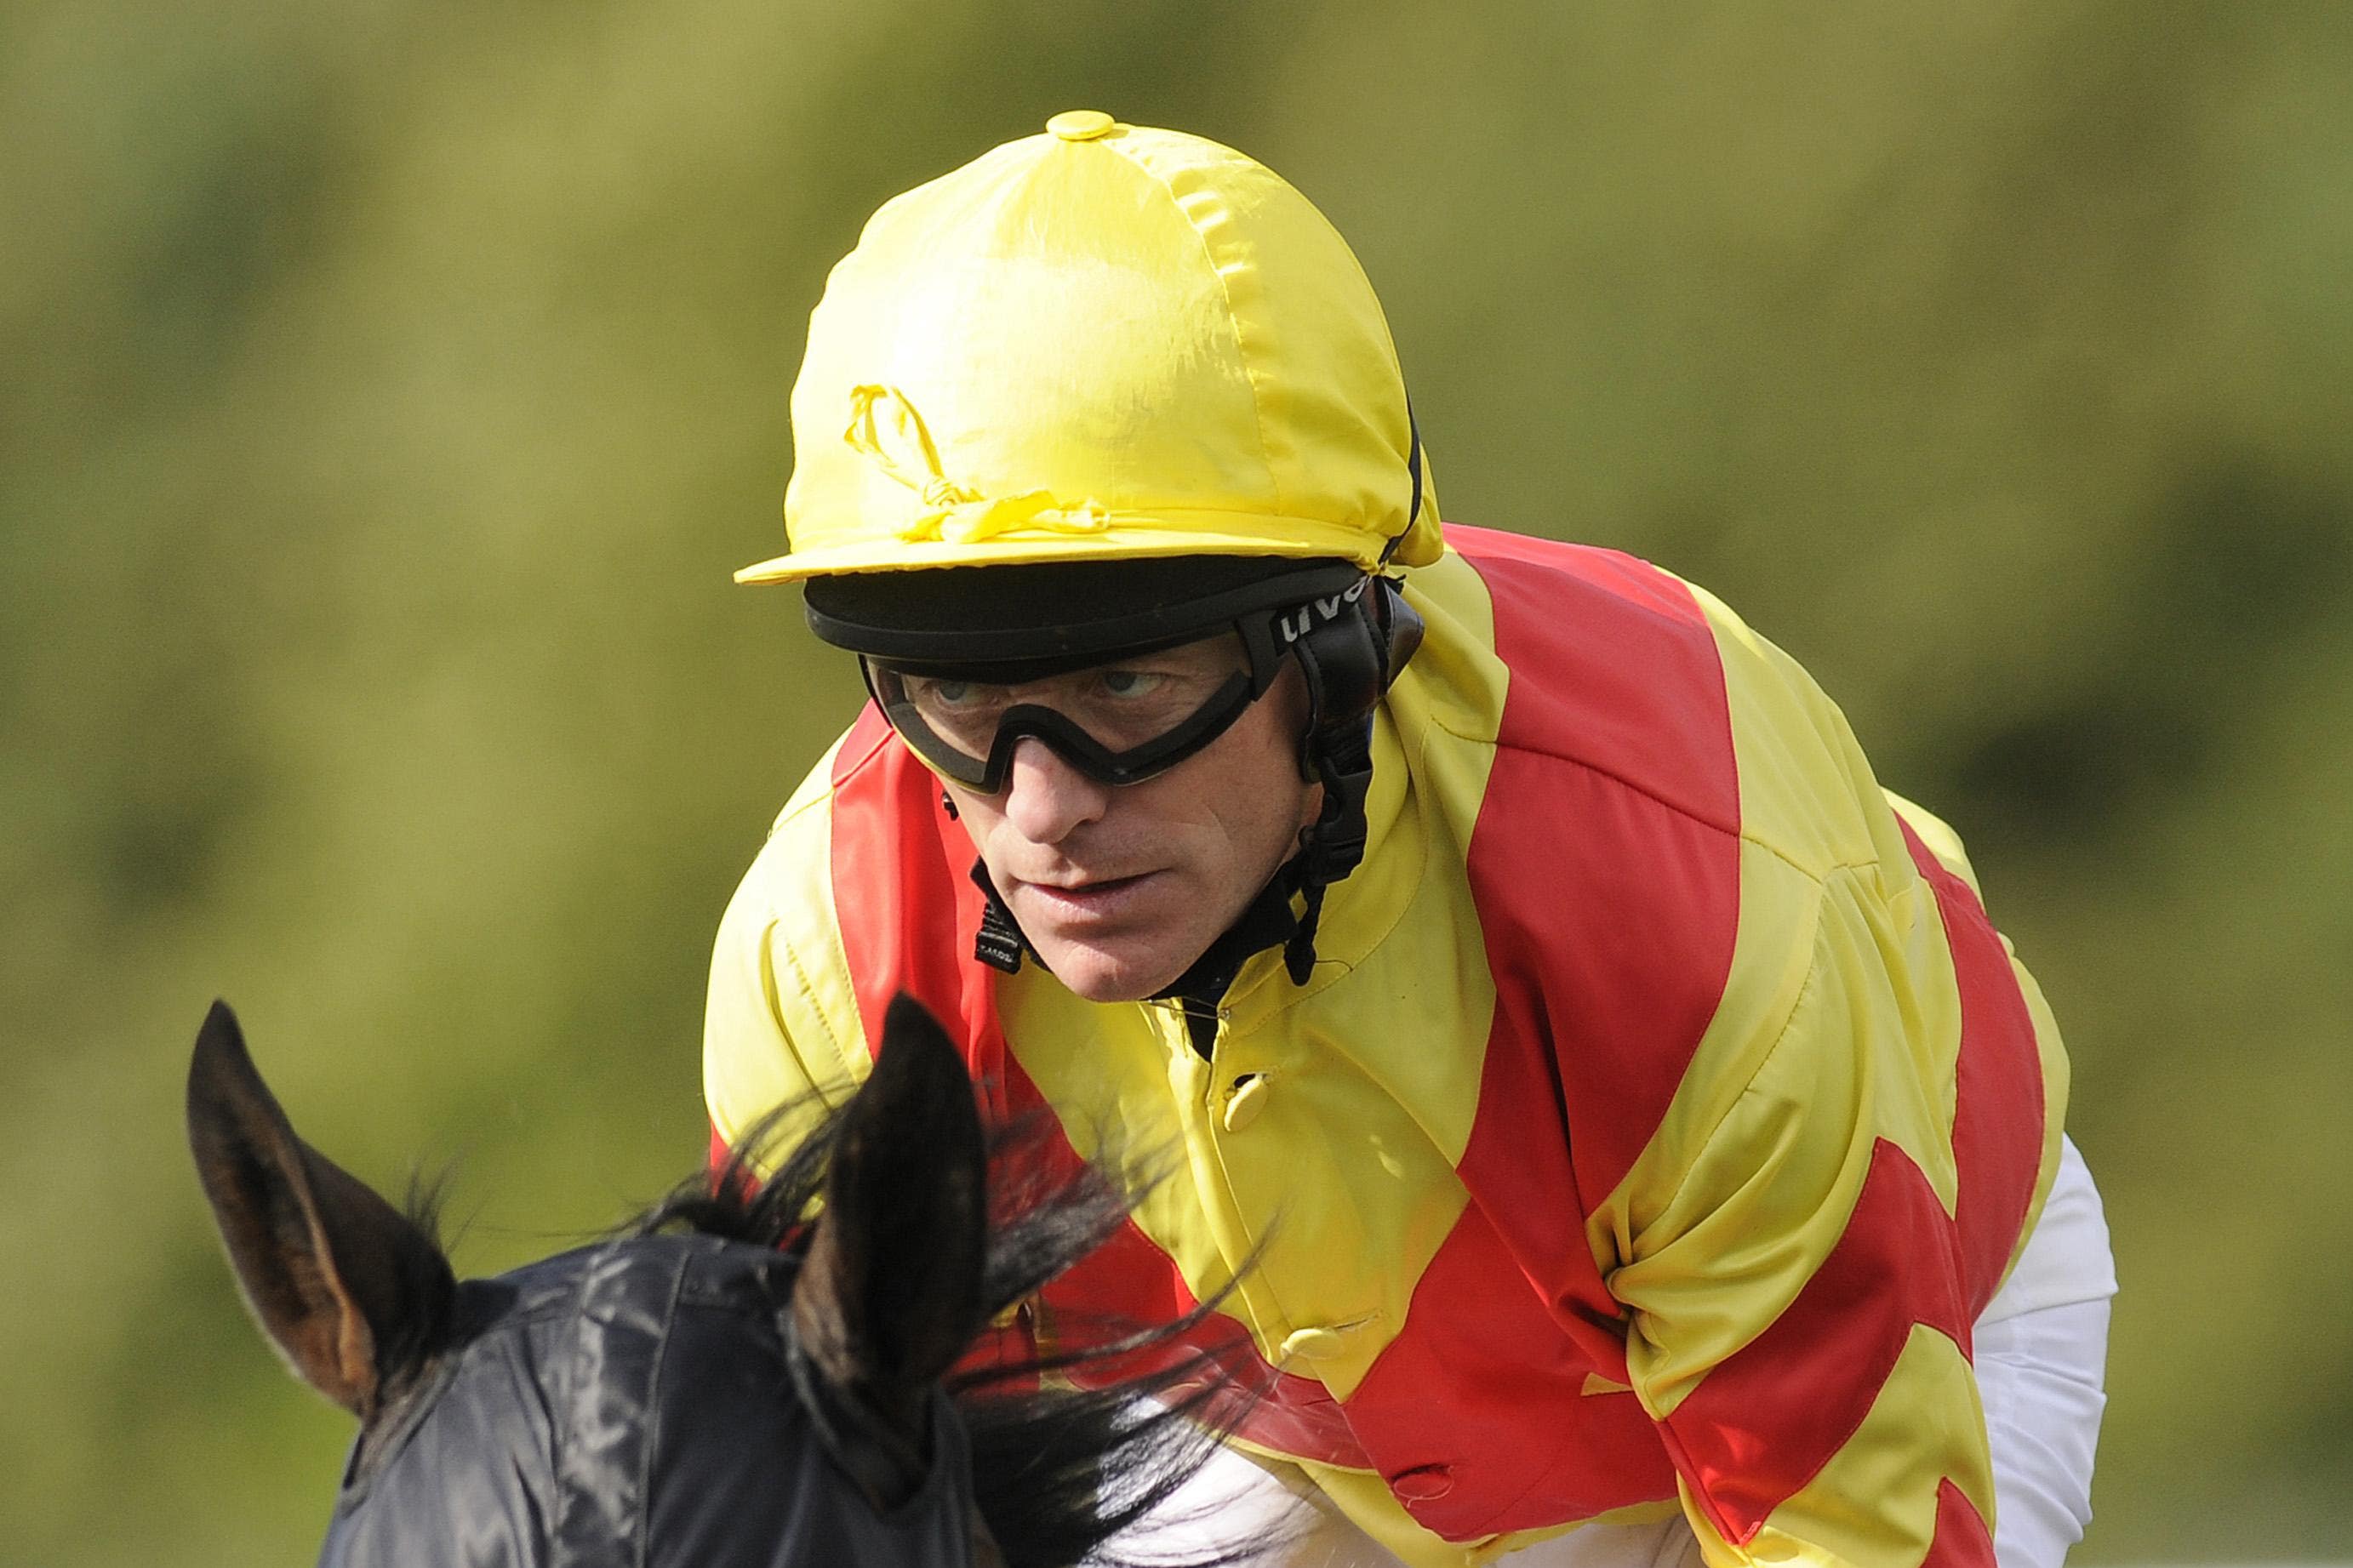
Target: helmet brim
[1161, 534]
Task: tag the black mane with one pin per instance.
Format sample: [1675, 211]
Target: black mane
[1069, 1447]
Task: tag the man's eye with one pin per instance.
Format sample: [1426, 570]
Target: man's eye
[952, 692]
[1132, 682]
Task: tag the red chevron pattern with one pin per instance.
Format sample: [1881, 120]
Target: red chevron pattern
[1961, 1540]
[1764, 1423]
[1605, 867]
[1998, 1117]
[1760, 1425]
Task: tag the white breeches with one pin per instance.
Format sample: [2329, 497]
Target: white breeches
[2040, 1350]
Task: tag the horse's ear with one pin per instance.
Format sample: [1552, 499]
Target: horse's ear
[890, 1293]
[347, 1289]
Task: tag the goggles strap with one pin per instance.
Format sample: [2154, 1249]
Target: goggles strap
[1347, 663]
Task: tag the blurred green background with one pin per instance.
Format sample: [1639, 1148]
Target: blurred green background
[391, 386]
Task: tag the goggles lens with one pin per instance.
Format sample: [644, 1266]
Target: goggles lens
[1118, 723]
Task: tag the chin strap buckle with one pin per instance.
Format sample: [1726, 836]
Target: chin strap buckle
[998, 942]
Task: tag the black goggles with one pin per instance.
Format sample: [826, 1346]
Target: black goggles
[1118, 721]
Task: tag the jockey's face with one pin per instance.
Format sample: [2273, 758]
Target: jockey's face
[1120, 888]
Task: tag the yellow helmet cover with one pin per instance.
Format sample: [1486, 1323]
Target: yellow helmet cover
[1103, 343]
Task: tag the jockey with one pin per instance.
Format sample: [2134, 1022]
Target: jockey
[1633, 1139]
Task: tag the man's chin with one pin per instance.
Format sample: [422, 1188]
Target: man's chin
[1106, 972]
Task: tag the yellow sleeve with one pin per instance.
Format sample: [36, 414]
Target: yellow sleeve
[780, 1025]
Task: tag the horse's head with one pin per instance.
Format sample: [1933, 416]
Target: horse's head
[664, 1399]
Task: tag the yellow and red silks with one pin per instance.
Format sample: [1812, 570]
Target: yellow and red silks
[1661, 1114]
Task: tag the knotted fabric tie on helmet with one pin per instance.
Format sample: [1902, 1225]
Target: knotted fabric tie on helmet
[950, 511]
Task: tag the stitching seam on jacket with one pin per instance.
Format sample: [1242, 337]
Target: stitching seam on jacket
[773, 940]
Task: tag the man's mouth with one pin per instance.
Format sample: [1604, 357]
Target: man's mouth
[1094, 898]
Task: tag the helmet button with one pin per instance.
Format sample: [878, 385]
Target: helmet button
[1080, 124]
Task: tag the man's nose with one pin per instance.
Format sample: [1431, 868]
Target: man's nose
[1045, 797]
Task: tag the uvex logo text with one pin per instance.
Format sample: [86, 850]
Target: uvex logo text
[1298, 623]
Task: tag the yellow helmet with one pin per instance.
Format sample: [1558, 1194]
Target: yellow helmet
[1105, 342]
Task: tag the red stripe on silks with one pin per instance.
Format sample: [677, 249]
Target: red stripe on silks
[907, 910]
[1637, 582]
[1613, 665]
[1483, 1376]
[1606, 862]
[722, 1152]
[1604, 867]
[1517, 1169]
[1764, 1422]
[1998, 1110]
[902, 899]
[1961, 1540]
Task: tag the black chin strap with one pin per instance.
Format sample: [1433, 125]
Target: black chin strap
[1348, 662]
[1200, 991]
